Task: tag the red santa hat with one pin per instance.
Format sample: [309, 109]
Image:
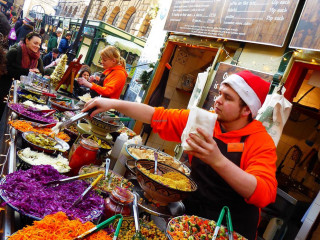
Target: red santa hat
[251, 88]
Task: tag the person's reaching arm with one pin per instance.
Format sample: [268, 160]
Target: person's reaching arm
[138, 111]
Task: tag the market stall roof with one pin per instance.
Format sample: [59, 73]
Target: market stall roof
[124, 45]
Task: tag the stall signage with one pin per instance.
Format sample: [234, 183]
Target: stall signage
[223, 72]
[306, 35]
[66, 23]
[259, 21]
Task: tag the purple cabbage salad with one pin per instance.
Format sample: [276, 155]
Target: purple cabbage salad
[20, 108]
[27, 191]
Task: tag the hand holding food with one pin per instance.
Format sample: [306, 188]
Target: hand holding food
[205, 149]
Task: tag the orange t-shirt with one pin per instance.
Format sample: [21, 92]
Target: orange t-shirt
[113, 83]
[258, 157]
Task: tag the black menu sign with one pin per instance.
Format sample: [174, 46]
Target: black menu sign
[223, 72]
[306, 35]
[258, 21]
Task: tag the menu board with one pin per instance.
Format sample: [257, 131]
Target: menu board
[259, 21]
[306, 35]
[223, 72]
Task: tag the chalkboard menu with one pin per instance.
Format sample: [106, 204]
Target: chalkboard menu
[306, 35]
[223, 72]
[259, 21]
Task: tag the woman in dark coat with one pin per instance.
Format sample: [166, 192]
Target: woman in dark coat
[4, 31]
[24, 57]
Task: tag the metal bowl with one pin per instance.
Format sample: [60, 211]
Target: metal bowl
[185, 169]
[101, 127]
[156, 191]
[60, 107]
[61, 145]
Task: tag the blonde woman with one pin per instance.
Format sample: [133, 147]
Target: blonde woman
[113, 78]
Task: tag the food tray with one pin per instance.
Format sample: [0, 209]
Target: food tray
[2, 195]
[204, 219]
[23, 96]
[60, 107]
[61, 146]
[28, 164]
[94, 216]
[186, 169]
[28, 117]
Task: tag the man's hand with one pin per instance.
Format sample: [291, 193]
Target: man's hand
[84, 82]
[205, 149]
[101, 104]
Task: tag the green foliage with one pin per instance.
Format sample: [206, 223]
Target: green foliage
[145, 77]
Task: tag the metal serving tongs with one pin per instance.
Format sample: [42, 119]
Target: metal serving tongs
[229, 224]
[138, 234]
[103, 225]
[70, 179]
[75, 118]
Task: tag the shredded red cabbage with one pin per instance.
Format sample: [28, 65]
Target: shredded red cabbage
[34, 115]
[26, 190]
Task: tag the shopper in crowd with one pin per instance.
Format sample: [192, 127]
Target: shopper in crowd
[84, 73]
[242, 178]
[64, 43]
[13, 21]
[4, 31]
[53, 41]
[19, 23]
[48, 70]
[76, 48]
[5, 83]
[24, 57]
[113, 79]
[12, 37]
[50, 57]
[26, 28]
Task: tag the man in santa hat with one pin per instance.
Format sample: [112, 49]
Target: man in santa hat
[236, 167]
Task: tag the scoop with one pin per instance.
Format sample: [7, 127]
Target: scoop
[155, 162]
[138, 234]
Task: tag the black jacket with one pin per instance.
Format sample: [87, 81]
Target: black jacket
[47, 59]
[23, 31]
[14, 57]
[18, 24]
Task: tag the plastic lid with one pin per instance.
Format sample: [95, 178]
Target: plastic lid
[88, 143]
[122, 194]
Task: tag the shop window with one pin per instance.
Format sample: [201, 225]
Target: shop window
[65, 10]
[127, 19]
[75, 11]
[37, 12]
[102, 13]
[129, 24]
[113, 18]
[69, 12]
